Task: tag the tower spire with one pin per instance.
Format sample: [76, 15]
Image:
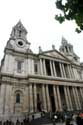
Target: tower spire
[19, 31]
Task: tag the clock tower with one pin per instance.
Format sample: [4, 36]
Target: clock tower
[18, 38]
[16, 52]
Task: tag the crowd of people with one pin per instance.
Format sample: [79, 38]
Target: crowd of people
[77, 119]
[68, 119]
[10, 122]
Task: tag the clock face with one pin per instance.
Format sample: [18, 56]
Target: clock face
[20, 43]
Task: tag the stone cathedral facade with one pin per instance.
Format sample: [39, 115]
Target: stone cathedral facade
[48, 81]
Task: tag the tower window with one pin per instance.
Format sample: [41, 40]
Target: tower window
[20, 32]
[17, 98]
[19, 66]
[66, 49]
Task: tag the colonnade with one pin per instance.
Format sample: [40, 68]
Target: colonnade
[69, 71]
[71, 95]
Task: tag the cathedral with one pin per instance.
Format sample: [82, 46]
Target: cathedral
[50, 81]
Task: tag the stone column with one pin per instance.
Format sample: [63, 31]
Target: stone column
[75, 74]
[7, 98]
[41, 67]
[81, 93]
[48, 99]
[55, 97]
[78, 98]
[30, 98]
[44, 98]
[66, 98]
[55, 74]
[69, 72]
[61, 69]
[2, 98]
[51, 69]
[44, 67]
[59, 98]
[72, 73]
[71, 107]
[73, 90]
[82, 89]
[12, 101]
[35, 97]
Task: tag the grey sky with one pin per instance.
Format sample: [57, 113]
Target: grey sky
[38, 18]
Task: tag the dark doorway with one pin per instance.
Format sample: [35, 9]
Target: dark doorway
[38, 102]
[48, 71]
[62, 95]
[52, 101]
[58, 71]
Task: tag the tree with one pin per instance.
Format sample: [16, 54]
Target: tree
[71, 10]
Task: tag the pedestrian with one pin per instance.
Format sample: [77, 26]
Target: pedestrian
[78, 120]
[68, 122]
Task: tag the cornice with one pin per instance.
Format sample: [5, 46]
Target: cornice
[11, 79]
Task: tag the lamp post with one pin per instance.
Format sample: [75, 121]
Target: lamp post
[54, 119]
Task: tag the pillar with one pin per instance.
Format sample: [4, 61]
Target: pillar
[55, 74]
[61, 69]
[66, 98]
[55, 97]
[48, 99]
[69, 72]
[35, 97]
[44, 67]
[77, 96]
[7, 98]
[44, 98]
[59, 98]
[73, 90]
[70, 102]
[30, 98]
[41, 67]
[72, 72]
[81, 93]
[51, 68]
[2, 98]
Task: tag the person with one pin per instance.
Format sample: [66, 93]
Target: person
[79, 120]
[68, 122]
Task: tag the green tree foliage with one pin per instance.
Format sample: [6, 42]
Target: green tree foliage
[72, 10]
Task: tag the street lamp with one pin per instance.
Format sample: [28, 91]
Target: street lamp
[54, 119]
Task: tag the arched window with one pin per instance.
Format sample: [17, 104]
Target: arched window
[17, 98]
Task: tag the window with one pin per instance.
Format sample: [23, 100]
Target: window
[17, 98]
[66, 49]
[19, 66]
[20, 32]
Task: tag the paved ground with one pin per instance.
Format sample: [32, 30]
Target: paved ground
[64, 123]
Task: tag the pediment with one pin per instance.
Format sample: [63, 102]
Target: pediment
[55, 54]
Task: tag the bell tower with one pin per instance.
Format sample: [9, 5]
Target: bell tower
[18, 39]
[67, 49]
[19, 31]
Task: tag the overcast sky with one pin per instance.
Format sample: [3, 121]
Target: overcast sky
[38, 18]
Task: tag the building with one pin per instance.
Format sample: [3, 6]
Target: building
[50, 80]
